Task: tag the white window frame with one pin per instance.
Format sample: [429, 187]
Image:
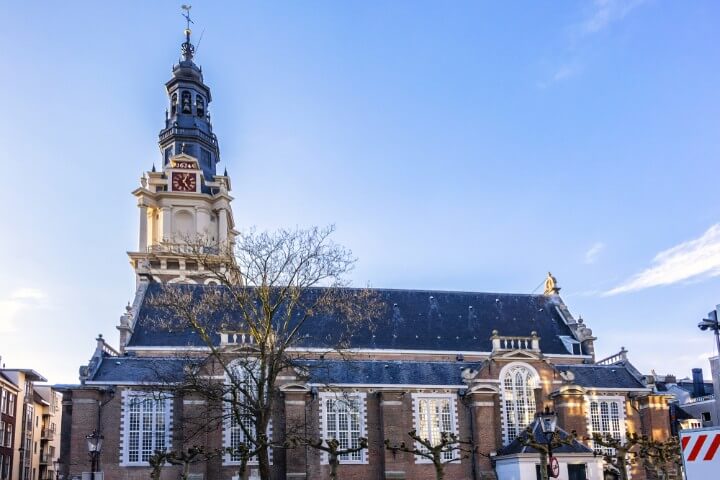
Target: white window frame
[534, 383]
[361, 398]
[622, 417]
[452, 399]
[228, 429]
[127, 397]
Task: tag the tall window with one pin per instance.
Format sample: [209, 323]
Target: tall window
[173, 104]
[3, 401]
[11, 404]
[607, 417]
[239, 423]
[343, 419]
[434, 414]
[146, 427]
[518, 394]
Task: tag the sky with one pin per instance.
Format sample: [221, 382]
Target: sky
[459, 145]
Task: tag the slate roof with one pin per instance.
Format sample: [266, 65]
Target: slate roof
[516, 445]
[372, 372]
[602, 376]
[411, 320]
[141, 369]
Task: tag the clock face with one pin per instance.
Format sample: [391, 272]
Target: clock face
[184, 182]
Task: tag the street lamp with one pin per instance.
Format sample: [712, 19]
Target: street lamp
[94, 444]
[711, 323]
[548, 425]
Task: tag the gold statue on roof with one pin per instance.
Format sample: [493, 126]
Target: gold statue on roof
[551, 286]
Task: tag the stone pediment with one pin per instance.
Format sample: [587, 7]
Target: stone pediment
[519, 354]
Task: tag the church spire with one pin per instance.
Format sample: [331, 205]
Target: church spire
[187, 48]
[187, 123]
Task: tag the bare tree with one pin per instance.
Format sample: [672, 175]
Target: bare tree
[332, 448]
[449, 445]
[253, 322]
[659, 458]
[184, 459]
[555, 440]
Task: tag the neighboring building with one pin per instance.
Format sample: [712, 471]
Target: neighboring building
[9, 422]
[484, 363]
[693, 403]
[30, 414]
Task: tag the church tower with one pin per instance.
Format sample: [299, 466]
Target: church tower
[186, 203]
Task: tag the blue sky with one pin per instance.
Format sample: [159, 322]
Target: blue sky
[456, 145]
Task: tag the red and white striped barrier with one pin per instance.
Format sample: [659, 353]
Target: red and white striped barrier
[701, 453]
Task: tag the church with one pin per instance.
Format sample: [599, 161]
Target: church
[475, 364]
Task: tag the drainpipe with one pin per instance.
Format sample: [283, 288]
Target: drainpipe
[381, 422]
[465, 401]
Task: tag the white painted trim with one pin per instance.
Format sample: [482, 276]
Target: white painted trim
[323, 396]
[168, 348]
[621, 401]
[134, 384]
[503, 408]
[392, 351]
[126, 395]
[453, 418]
[389, 386]
[596, 390]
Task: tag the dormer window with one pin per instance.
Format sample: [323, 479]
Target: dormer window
[173, 104]
[186, 103]
[200, 106]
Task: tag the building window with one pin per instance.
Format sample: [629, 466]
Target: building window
[239, 426]
[2, 434]
[342, 417]
[607, 417]
[518, 384]
[705, 416]
[168, 154]
[146, 426]
[11, 404]
[3, 401]
[205, 157]
[434, 414]
[8, 434]
[173, 104]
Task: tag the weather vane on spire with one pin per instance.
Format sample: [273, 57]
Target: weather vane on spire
[187, 47]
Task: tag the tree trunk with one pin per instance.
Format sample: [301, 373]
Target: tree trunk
[622, 466]
[264, 464]
[439, 467]
[333, 467]
[544, 466]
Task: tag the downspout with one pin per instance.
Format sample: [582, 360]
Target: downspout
[472, 434]
[101, 405]
[381, 422]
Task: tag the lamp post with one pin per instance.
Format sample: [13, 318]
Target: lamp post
[711, 323]
[94, 444]
[548, 424]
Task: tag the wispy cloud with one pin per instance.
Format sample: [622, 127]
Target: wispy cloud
[606, 12]
[18, 301]
[593, 252]
[693, 259]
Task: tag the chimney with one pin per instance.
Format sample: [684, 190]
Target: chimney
[698, 383]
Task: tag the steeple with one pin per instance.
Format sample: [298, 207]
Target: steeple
[184, 204]
[187, 121]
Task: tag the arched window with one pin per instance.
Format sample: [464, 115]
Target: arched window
[200, 106]
[186, 103]
[518, 393]
[173, 104]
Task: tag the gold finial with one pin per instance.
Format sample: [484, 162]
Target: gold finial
[551, 286]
